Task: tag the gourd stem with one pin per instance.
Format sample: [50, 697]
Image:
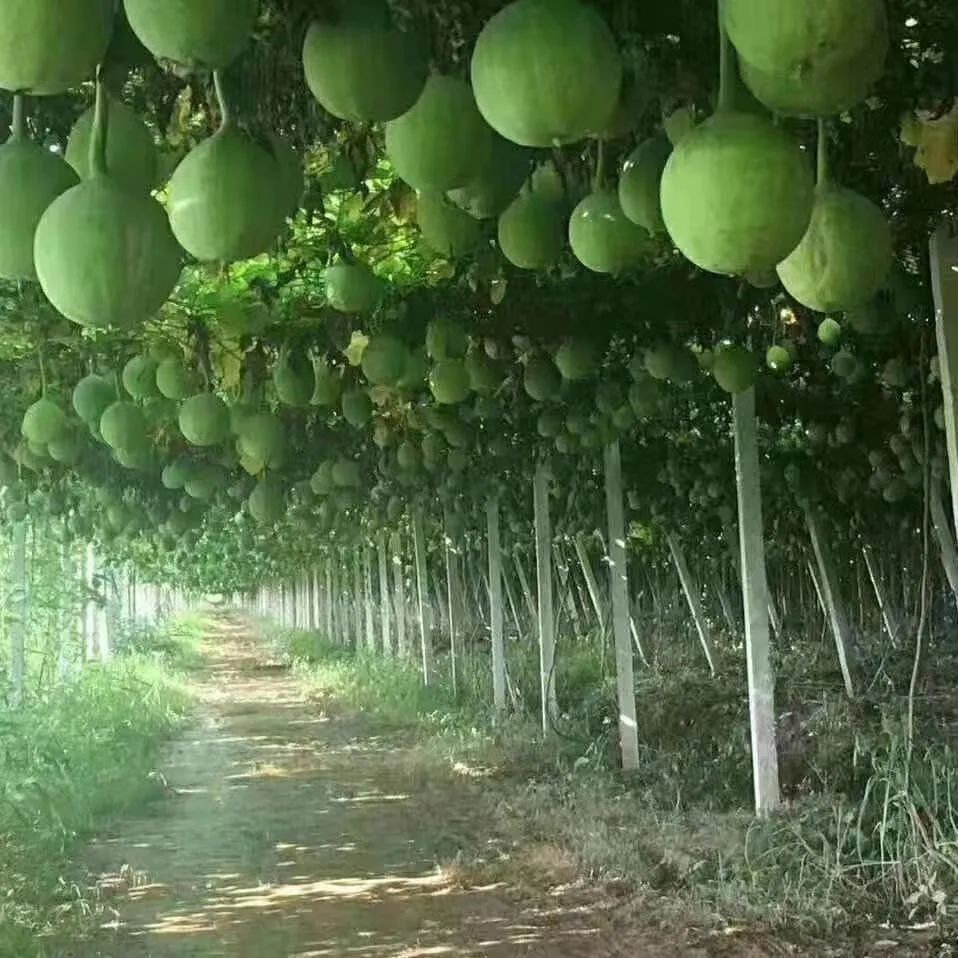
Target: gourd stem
[18, 128]
[599, 181]
[43, 372]
[226, 115]
[727, 65]
[101, 123]
[822, 152]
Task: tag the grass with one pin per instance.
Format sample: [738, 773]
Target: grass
[870, 832]
[79, 752]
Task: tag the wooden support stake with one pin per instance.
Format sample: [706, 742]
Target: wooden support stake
[422, 592]
[694, 600]
[546, 615]
[565, 584]
[524, 585]
[591, 584]
[512, 603]
[944, 284]
[368, 598]
[454, 595]
[888, 615]
[329, 599]
[495, 604]
[358, 618]
[946, 541]
[725, 602]
[829, 593]
[619, 588]
[399, 596]
[384, 602]
[761, 681]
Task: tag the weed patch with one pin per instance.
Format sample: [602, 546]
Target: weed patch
[77, 752]
[869, 834]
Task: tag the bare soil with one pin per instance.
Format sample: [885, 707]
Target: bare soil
[288, 830]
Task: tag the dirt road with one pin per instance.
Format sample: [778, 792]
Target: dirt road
[286, 832]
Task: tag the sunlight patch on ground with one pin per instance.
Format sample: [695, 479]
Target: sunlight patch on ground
[369, 798]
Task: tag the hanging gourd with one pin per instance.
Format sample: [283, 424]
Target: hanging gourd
[737, 192]
[360, 67]
[808, 59]
[31, 178]
[49, 46]
[442, 142]
[532, 231]
[602, 238]
[204, 420]
[446, 228]
[825, 92]
[105, 256]
[504, 170]
[225, 199]
[207, 34]
[353, 288]
[547, 72]
[641, 182]
[132, 158]
[846, 255]
[44, 422]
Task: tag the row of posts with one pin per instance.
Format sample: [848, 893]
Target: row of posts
[314, 604]
[336, 601]
[110, 600]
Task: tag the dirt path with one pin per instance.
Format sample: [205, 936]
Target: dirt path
[285, 832]
[288, 833]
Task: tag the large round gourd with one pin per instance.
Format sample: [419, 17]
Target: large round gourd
[576, 359]
[204, 420]
[105, 256]
[43, 422]
[353, 288]
[262, 438]
[91, 396]
[266, 503]
[603, 239]
[357, 407]
[384, 360]
[31, 178]
[546, 72]
[174, 380]
[294, 380]
[49, 46]
[225, 198]
[123, 426]
[641, 181]
[822, 92]
[139, 377]
[132, 159]
[796, 37]
[441, 143]
[504, 171]
[846, 255]
[541, 379]
[737, 194]
[360, 67]
[734, 368]
[446, 228]
[449, 382]
[197, 33]
[532, 231]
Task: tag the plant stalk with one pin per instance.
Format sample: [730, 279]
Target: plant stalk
[101, 123]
